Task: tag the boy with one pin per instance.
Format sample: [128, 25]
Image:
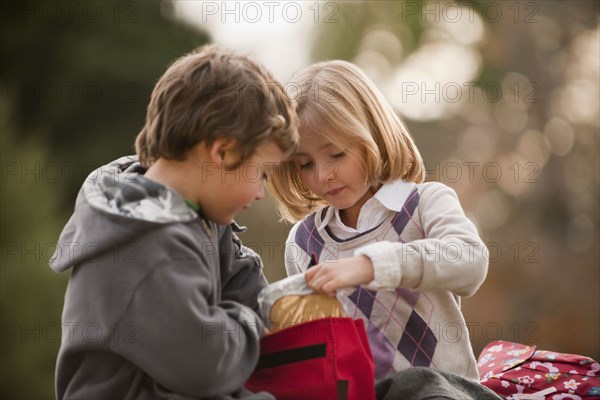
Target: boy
[160, 301]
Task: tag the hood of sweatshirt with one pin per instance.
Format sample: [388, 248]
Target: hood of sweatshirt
[115, 205]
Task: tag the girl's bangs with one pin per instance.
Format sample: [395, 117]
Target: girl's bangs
[333, 121]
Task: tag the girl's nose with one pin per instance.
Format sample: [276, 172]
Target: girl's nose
[326, 171]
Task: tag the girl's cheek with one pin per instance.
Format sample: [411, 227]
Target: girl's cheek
[304, 176]
[332, 168]
[309, 179]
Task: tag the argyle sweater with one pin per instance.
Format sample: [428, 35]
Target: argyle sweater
[425, 257]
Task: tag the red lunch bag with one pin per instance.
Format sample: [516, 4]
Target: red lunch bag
[327, 358]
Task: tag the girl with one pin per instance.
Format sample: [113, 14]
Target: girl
[364, 218]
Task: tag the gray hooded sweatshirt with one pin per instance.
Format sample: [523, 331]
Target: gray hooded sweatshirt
[160, 303]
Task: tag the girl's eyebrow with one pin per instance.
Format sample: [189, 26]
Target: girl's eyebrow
[328, 144]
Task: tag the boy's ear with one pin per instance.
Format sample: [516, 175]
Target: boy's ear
[221, 151]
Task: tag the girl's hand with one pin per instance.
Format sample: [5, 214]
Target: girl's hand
[347, 272]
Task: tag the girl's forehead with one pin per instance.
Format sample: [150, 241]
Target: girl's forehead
[311, 139]
[318, 133]
[307, 135]
[316, 143]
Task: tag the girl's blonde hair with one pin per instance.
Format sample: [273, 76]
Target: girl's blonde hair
[336, 99]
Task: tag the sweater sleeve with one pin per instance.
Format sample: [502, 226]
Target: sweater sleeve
[242, 275]
[186, 338]
[451, 257]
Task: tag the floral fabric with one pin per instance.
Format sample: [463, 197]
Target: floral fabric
[519, 372]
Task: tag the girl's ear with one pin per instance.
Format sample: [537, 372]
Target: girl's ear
[222, 151]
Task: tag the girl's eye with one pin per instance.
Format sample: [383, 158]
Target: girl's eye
[305, 165]
[339, 155]
[265, 177]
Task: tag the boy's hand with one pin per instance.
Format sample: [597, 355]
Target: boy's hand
[347, 272]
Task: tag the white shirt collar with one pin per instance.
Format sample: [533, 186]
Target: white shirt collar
[393, 195]
[390, 197]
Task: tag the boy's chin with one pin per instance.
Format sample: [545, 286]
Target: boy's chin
[220, 219]
[226, 218]
[223, 221]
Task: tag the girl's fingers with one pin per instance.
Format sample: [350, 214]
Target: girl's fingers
[317, 283]
[329, 288]
[321, 279]
[310, 274]
[310, 280]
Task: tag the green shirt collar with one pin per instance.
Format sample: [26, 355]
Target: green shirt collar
[194, 206]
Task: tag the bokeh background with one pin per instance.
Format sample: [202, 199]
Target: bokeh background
[502, 98]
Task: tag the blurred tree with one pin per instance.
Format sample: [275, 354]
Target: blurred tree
[83, 72]
[31, 294]
[533, 115]
[76, 78]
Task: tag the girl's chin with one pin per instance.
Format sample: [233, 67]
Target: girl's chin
[341, 205]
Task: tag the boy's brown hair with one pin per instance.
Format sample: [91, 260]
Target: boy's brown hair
[213, 92]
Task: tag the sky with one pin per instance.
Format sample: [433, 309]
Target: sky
[278, 33]
[281, 34]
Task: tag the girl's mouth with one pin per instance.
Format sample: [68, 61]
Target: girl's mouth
[334, 192]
